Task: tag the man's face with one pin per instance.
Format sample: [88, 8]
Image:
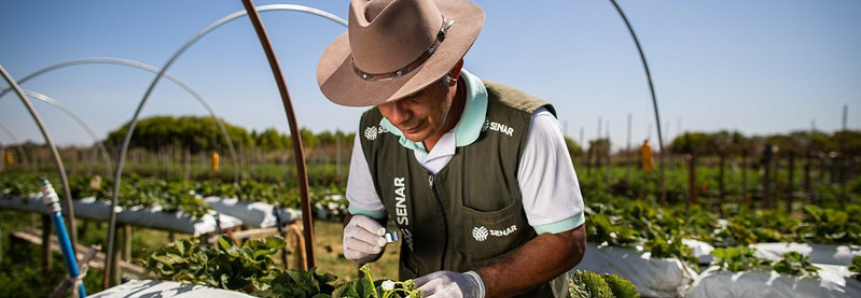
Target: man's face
[422, 114]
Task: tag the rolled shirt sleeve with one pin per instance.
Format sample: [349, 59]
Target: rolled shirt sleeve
[551, 192]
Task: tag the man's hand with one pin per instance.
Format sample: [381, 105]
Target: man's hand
[363, 239]
[448, 284]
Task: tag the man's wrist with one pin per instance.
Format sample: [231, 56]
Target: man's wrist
[479, 283]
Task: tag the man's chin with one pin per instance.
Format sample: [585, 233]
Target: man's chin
[415, 137]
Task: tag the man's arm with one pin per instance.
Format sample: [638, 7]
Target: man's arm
[551, 197]
[537, 262]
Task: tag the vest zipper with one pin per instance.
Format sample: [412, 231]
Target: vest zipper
[444, 220]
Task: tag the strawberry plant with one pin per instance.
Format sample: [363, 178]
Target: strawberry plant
[830, 226]
[796, 264]
[672, 248]
[601, 230]
[739, 258]
[585, 284]
[368, 288]
[856, 265]
[226, 265]
[250, 268]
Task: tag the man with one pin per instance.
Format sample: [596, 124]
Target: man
[475, 174]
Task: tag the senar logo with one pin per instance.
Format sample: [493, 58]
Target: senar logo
[498, 127]
[481, 233]
[371, 133]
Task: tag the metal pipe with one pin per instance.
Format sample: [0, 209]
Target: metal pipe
[124, 149]
[237, 159]
[298, 151]
[77, 119]
[654, 100]
[58, 161]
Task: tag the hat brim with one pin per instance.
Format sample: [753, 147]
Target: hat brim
[341, 85]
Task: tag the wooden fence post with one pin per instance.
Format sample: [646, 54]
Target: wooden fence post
[766, 179]
[114, 278]
[721, 185]
[127, 243]
[692, 178]
[744, 192]
[807, 183]
[791, 183]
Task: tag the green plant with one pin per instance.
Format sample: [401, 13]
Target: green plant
[299, 284]
[368, 288]
[671, 248]
[585, 284]
[796, 264]
[739, 258]
[856, 265]
[250, 268]
[830, 226]
[600, 230]
[247, 268]
[621, 287]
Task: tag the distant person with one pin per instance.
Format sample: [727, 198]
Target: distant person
[646, 157]
[476, 174]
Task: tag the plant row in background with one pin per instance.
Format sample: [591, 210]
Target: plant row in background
[617, 221]
[742, 258]
[177, 195]
[660, 230]
[632, 182]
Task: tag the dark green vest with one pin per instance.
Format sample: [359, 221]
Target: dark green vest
[469, 214]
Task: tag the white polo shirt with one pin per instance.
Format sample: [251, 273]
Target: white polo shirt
[551, 193]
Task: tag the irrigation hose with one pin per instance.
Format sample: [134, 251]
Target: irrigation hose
[52, 203]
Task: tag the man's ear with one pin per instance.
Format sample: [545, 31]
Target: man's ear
[454, 74]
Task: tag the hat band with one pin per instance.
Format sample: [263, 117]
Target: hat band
[387, 76]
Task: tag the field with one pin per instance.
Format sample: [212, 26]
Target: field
[728, 203]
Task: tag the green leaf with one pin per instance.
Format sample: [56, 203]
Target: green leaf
[169, 259]
[585, 284]
[796, 264]
[856, 265]
[739, 258]
[621, 287]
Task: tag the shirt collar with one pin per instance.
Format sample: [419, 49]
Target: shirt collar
[469, 126]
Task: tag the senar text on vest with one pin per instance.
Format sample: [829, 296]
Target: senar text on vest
[403, 218]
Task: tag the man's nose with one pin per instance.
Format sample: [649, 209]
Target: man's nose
[400, 114]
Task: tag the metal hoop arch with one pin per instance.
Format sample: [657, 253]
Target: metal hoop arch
[58, 161]
[237, 159]
[79, 120]
[133, 122]
[654, 100]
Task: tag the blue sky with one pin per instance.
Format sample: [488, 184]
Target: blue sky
[760, 67]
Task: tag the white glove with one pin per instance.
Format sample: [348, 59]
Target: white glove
[363, 239]
[448, 284]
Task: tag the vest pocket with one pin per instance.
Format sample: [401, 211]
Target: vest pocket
[489, 236]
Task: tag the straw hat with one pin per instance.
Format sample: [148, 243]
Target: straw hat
[393, 48]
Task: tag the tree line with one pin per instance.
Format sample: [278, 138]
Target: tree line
[846, 143]
[202, 134]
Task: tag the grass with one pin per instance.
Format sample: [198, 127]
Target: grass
[330, 256]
